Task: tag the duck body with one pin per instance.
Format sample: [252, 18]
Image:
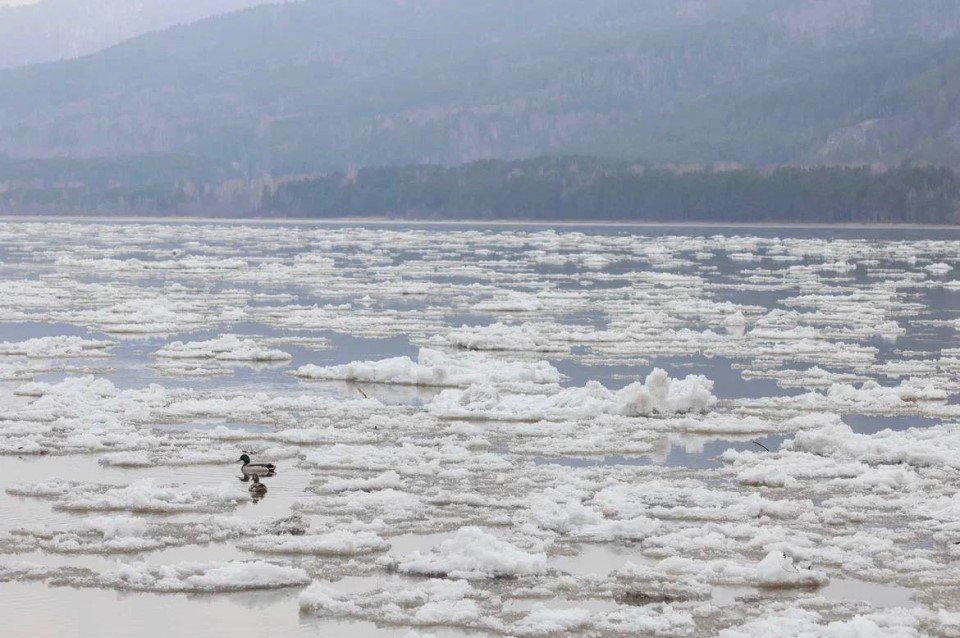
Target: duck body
[259, 469]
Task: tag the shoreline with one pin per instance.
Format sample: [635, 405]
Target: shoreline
[381, 221]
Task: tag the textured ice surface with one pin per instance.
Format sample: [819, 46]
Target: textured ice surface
[473, 553]
[338, 543]
[223, 348]
[435, 368]
[56, 347]
[522, 338]
[556, 432]
[141, 496]
[204, 577]
[659, 394]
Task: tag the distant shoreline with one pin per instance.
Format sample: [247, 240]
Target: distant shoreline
[381, 221]
[566, 190]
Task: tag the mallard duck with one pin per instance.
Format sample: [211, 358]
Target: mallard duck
[257, 487]
[260, 469]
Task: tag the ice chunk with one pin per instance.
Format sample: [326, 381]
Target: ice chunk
[659, 394]
[204, 577]
[544, 621]
[509, 301]
[499, 336]
[435, 368]
[224, 348]
[57, 347]
[434, 602]
[777, 570]
[473, 553]
[939, 269]
[142, 496]
[335, 543]
[386, 480]
[802, 623]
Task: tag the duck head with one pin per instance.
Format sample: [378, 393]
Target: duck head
[245, 459]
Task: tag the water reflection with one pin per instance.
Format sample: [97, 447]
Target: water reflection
[257, 489]
[873, 423]
[837, 590]
[682, 451]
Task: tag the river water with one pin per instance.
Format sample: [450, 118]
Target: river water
[533, 423]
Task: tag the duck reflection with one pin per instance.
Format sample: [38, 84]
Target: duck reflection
[257, 489]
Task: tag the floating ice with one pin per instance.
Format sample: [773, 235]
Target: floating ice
[335, 543]
[387, 480]
[472, 553]
[140, 316]
[939, 269]
[57, 347]
[141, 496]
[776, 570]
[659, 394]
[565, 513]
[509, 301]
[575, 473]
[930, 446]
[223, 348]
[204, 577]
[435, 368]
[543, 621]
[500, 336]
[435, 602]
[800, 623]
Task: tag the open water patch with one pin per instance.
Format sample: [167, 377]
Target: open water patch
[873, 423]
[691, 452]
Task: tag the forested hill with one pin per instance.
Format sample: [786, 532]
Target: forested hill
[572, 188]
[326, 85]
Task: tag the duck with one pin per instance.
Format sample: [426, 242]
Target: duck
[257, 488]
[258, 469]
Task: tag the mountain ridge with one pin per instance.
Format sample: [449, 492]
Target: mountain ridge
[51, 30]
[326, 85]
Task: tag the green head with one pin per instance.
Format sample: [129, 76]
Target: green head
[244, 458]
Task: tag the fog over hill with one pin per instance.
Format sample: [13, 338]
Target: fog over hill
[330, 85]
[48, 30]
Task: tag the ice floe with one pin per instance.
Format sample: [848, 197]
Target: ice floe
[57, 347]
[335, 543]
[499, 336]
[141, 496]
[435, 368]
[659, 394]
[223, 348]
[204, 577]
[472, 553]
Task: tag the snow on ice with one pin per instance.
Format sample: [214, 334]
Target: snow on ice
[523, 463]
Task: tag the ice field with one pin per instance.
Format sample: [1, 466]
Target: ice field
[511, 430]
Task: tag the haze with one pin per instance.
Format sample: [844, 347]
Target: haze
[233, 109]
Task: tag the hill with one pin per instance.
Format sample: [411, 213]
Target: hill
[325, 85]
[50, 30]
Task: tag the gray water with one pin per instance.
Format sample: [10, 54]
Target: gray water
[36, 609]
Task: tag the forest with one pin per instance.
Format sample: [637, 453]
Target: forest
[571, 188]
[577, 188]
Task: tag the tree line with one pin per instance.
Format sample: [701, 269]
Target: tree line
[572, 188]
[586, 189]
